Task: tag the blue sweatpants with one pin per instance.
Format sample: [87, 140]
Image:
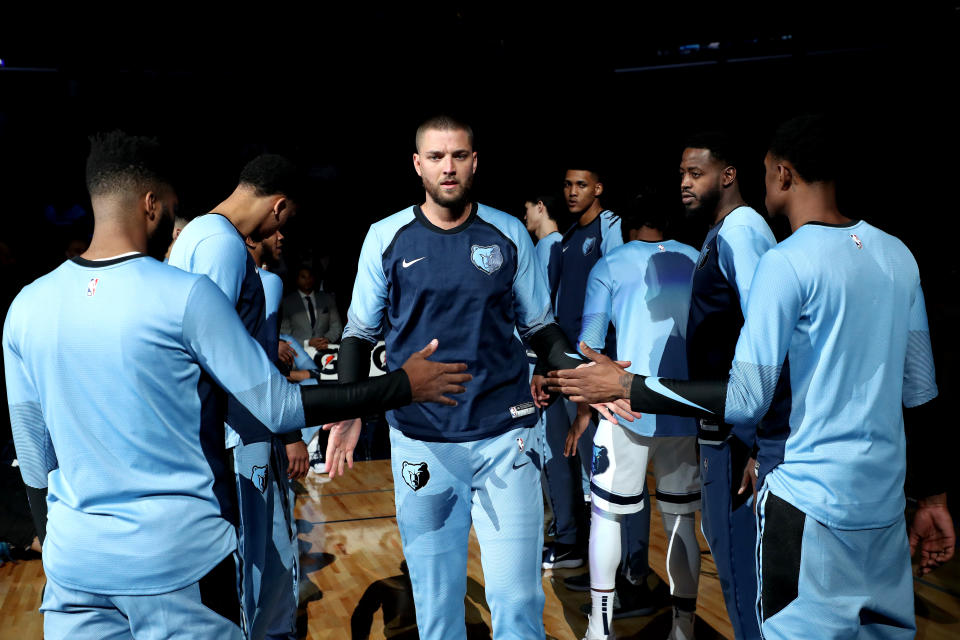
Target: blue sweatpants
[730, 528]
[208, 608]
[820, 582]
[267, 547]
[440, 488]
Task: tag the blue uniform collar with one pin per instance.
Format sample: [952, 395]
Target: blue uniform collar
[418, 212]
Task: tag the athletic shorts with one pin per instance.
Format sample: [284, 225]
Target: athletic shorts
[620, 459]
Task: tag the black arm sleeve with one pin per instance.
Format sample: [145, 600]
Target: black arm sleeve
[928, 469]
[353, 361]
[325, 403]
[38, 509]
[695, 398]
[290, 437]
[553, 350]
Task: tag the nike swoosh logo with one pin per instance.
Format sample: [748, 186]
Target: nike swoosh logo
[521, 465]
[407, 264]
[564, 250]
[654, 384]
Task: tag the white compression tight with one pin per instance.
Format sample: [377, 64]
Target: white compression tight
[604, 560]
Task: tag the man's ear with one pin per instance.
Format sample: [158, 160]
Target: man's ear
[416, 164]
[597, 189]
[729, 176]
[151, 205]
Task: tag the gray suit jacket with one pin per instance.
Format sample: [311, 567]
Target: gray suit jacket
[296, 320]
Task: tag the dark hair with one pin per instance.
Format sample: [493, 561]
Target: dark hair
[646, 209]
[584, 165]
[271, 174]
[810, 144]
[121, 162]
[443, 122]
[720, 144]
[551, 202]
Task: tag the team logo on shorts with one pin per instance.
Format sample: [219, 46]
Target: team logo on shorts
[601, 460]
[852, 235]
[415, 474]
[588, 245]
[92, 286]
[259, 477]
[488, 259]
[703, 258]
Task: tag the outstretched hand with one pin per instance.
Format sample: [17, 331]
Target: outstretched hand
[932, 532]
[340, 445]
[430, 381]
[605, 381]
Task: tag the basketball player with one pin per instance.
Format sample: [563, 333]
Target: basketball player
[644, 288]
[843, 300]
[467, 272]
[116, 431]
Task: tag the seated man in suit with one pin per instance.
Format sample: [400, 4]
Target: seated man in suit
[310, 316]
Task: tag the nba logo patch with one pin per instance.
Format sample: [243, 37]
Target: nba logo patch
[92, 286]
[856, 240]
[488, 259]
[661, 247]
[588, 245]
[520, 444]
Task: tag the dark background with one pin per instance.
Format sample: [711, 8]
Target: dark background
[342, 90]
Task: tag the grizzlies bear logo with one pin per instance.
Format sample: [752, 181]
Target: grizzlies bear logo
[601, 461]
[588, 245]
[487, 259]
[415, 474]
[259, 477]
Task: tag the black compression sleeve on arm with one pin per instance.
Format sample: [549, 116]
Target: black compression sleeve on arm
[38, 509]
[928, 468]
[290, 437]
[334, 402]
[353, 360]
[696, 398]
[553, 349]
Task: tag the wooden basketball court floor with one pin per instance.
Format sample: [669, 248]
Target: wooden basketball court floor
[350, 566]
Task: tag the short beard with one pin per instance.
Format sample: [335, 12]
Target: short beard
[708, 206]
[457, 203]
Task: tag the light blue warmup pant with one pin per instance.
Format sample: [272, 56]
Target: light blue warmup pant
[266, 542]
[440, 488]
[820, 582]
[208, 608]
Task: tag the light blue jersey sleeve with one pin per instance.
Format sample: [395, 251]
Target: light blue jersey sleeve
[300, 359]
[369, 302]
[773, 311]
[611, 236]
[531, 293]
[223, 259]
[740, 247]
[597, 306]
[919, 377]
[543, 250]
[215, 336]
[35, 453]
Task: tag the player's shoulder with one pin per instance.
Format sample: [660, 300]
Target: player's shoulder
[507, 225]
[685, 249]
[385, 229]
[744, 224]
[271, 278]
[210, 227]
[608, 220]
[744, 216]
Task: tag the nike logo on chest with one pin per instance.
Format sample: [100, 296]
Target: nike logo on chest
[407, 264]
